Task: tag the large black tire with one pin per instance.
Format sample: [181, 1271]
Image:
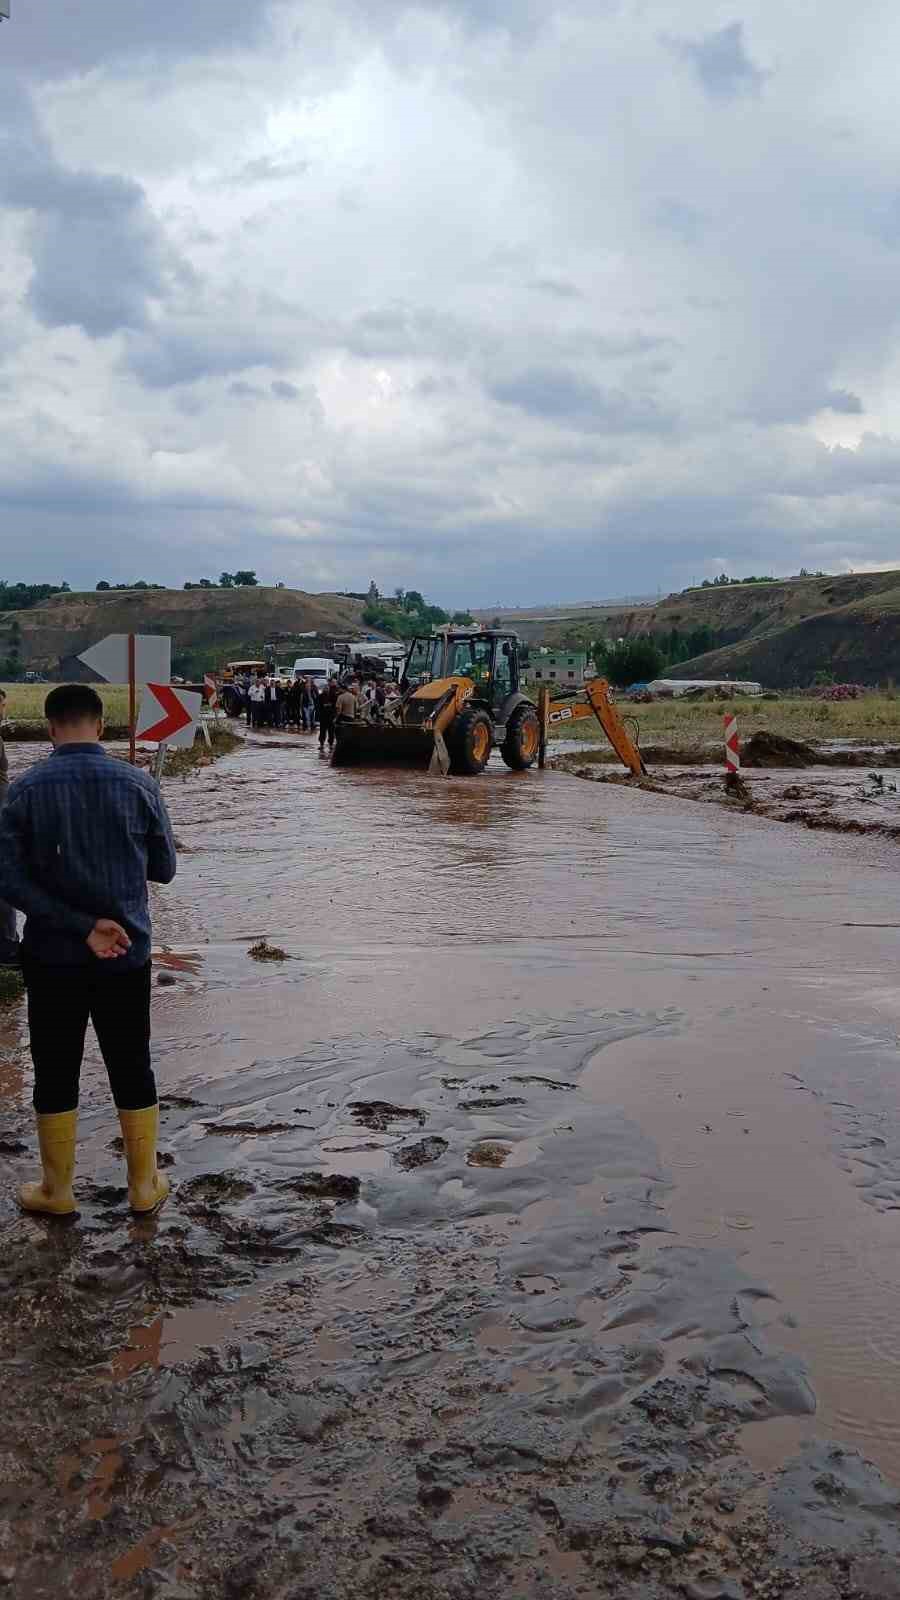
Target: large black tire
[521, 747]
[470, 742]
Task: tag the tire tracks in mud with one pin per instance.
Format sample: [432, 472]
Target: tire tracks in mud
[423, 1378]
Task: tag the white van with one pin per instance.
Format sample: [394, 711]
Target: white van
[316, 667]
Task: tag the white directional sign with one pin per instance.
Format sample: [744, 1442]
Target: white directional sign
[169, 715]
[152, 658]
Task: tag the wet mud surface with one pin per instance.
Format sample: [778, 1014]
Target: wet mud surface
[533, 1228]
[818, 798]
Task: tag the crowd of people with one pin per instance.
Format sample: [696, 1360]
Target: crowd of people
[304, 704]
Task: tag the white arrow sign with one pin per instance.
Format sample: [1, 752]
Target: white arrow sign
[152, 658]
[169, 715]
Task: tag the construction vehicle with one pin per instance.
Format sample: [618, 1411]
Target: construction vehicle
[460, 697]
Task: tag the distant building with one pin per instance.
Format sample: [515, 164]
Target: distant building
[676, 687]
[559, 666]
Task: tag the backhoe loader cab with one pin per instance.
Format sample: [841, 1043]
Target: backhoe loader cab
[477, 673]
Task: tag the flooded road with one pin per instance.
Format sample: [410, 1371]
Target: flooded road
[535, 1219]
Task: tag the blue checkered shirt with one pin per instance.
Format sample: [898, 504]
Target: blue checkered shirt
[80, 835]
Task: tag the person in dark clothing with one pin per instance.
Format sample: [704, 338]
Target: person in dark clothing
[327, 704]
[10, 954]
[308, 707]
[292, 704]
[80, 836]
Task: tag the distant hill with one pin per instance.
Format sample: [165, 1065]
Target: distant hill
[782, 633]
[856, 639]
[208, 626]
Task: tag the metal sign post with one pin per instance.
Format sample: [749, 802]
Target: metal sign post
[131, 658]
[544, 718]
[132, 701]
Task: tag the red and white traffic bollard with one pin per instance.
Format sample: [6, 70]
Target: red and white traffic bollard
[732, 746]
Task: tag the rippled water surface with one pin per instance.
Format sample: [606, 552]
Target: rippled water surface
[562, 1095]
[407, 904]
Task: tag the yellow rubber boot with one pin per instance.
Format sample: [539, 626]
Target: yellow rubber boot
[53, 1195]
[147, 1186]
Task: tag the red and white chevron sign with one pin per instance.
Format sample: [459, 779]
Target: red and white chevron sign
[732, 745]
[168, 715]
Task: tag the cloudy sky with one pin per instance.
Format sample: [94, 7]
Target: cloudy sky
[498, 299]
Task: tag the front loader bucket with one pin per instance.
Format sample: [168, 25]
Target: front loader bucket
[377, 744]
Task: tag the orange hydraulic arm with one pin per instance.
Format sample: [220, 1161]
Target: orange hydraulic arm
[555, 713]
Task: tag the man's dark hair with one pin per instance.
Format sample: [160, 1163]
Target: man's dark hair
[73, 702]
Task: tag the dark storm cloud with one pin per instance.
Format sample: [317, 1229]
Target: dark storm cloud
[47, 39]
[168, 357]
[557, 395]
[242, 390]
[844, 402]
[98, 254]
[721, 62]
[99, 274]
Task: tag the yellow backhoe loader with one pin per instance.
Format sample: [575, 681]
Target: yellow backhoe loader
[460, 696]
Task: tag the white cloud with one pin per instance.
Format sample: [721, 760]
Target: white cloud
[470, 293]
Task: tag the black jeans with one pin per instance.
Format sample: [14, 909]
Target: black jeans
[326, 725]
[61, 1001]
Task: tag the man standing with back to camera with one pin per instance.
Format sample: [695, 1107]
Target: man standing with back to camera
[80, 835]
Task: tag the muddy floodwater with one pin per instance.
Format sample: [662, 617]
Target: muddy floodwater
[535, 1227]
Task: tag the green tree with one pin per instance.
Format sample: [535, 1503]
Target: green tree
[226, 581]
[22, 596]
[13, 663]
[245, 580]
[629, 660]
[103, 584]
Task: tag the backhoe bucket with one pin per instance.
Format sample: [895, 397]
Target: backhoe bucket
[379, 744]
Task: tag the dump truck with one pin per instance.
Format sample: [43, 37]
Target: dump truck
[461, 696]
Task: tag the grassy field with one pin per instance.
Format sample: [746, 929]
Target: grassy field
[873, 719]
[25, 701]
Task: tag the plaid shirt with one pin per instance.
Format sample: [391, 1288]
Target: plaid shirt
[80, 835]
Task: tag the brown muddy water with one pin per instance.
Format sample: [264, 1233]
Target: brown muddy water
[534, 1226]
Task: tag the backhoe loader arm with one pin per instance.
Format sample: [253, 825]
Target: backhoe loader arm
[598, 704]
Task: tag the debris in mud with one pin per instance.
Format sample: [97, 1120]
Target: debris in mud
[337, 1235]
[251, 1129]
[764, 749]
[879, 786]
[737, 789]
[489, 1103]
[12, 984]
[13, 1147]
[489, 1153]
[324, 1186]
[410, 1156]
[263, 951]
[213, 1188]
[177, 1102]
[166, 980]
[544, 1083]
[379, 1114]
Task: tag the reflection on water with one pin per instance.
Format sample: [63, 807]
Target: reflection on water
[280, 843]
